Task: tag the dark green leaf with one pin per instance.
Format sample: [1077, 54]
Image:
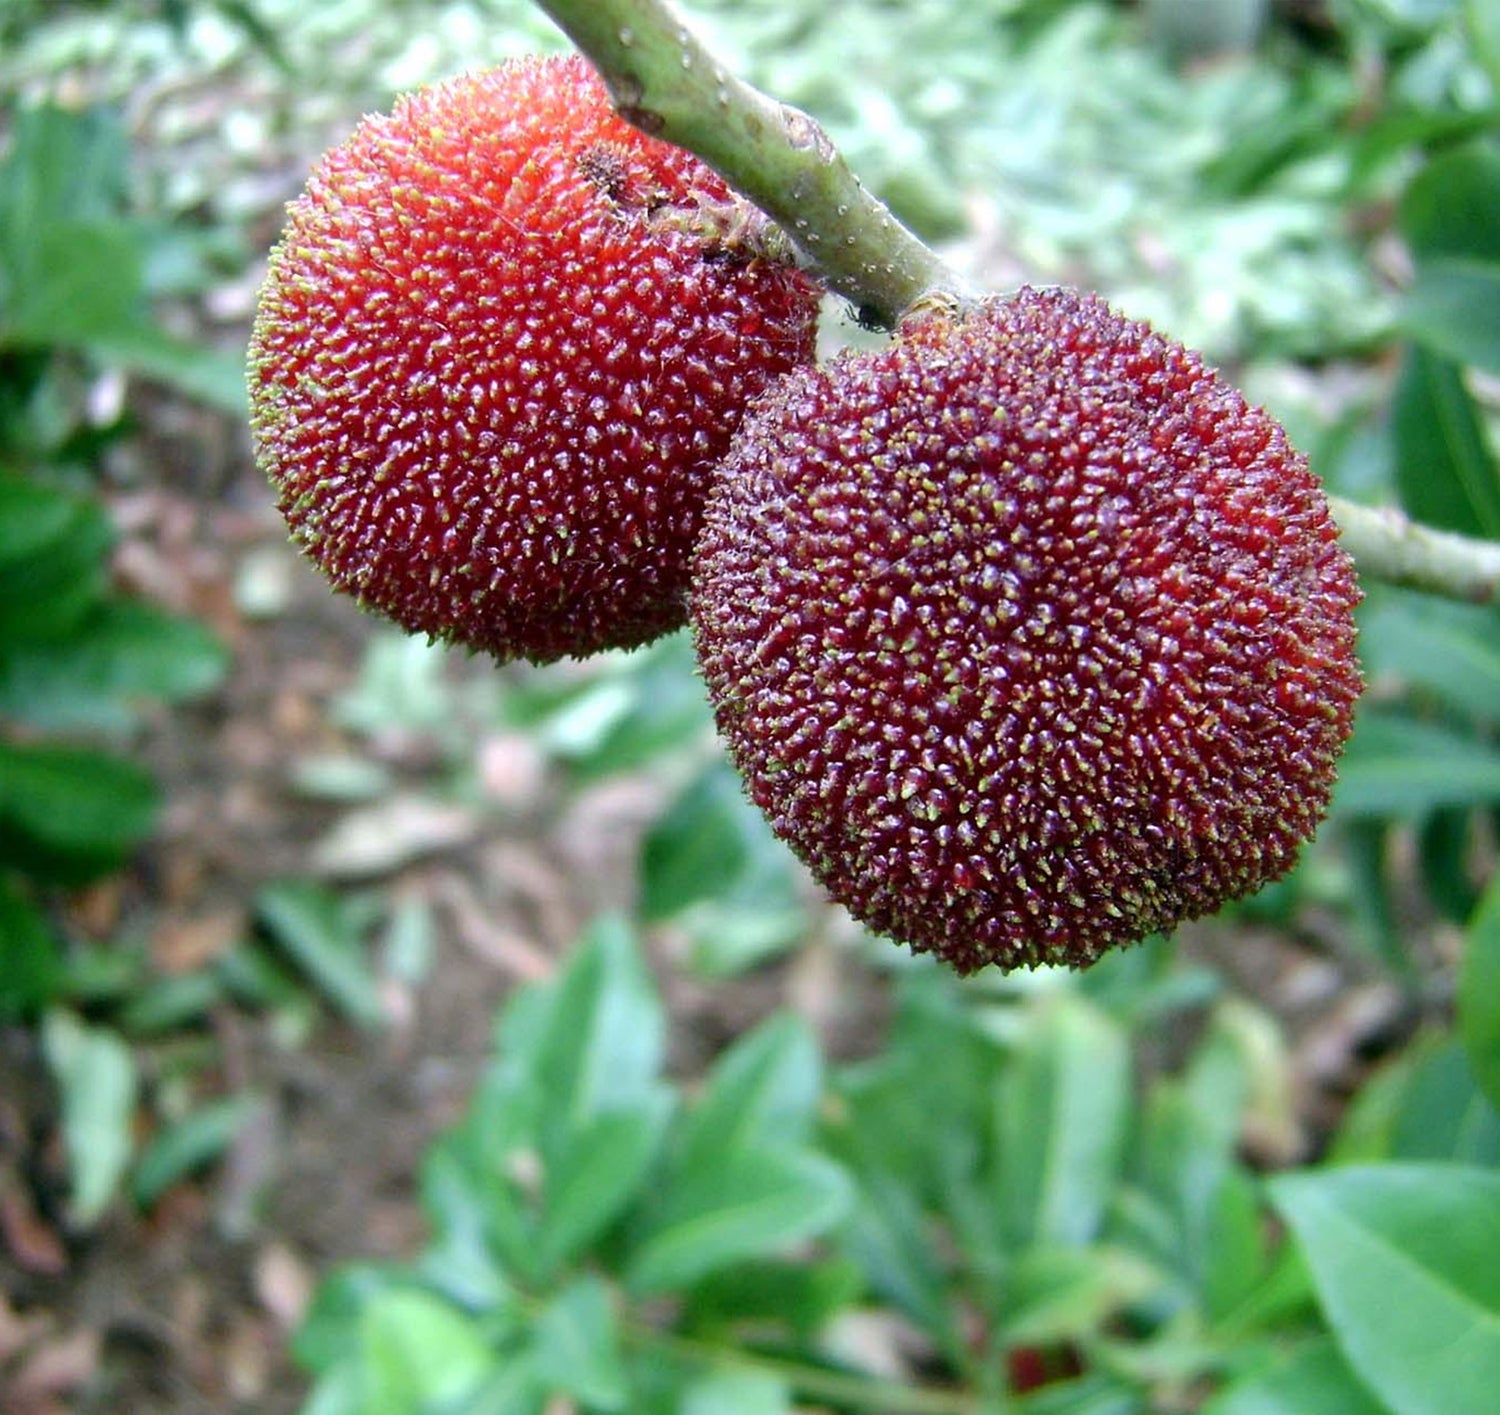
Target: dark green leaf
[48, 583]
[734, 1206]
[697, 848]
[166, 1004]
[1479, 994]
[190, 1143]
[801, 1296]
[314, 930]
[576, 1347]
[118, 658]
[31, 973]
[71, 814]
[1404, 1259]
[1444, 468]
[1452, 206]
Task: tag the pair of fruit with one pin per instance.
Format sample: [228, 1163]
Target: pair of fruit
[1026, 632]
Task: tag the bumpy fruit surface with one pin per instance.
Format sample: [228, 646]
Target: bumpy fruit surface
[1028, 634]
[497, 356]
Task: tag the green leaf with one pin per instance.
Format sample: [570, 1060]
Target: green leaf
[118, 658]
[419, 1352]
[1397, 766]
[1314, 1379]
[1479, 994]
[887, 1237]
[1454, 310]
[52, 563]
[697, 847]
[763, 1091]
[795, 1294]
[1444, 469]
[32, 974]
[577, 1347]
[1062, 1113]
[1449, 650]
[598, 1172]
[96, 1075]
[1404, 1258]
[1452, 206]
[733, 1206]
[1066, 1294]
[189, 1144]
[1423, 1105]
[593, 1040]
[737, 1393]
[315, 931]
[70, 814]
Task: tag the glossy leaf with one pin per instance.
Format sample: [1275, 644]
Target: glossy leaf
[1404, 1258]
[1479, 994]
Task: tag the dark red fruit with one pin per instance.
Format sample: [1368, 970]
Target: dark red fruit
[498, 353]
[1027, 633]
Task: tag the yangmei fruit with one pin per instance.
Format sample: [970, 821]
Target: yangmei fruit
[1027, 632]
[502, 344]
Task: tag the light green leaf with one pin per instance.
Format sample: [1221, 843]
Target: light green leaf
[741, 1204]
[737, 1393]
[1450, 650]
[419, 1352]
[1406, 1261]
[96, 1075]
[315, 932]
[1062, 1112]
[577, 1347]
[1479, 994]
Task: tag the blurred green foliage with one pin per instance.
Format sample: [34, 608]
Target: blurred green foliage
[1035, 1190]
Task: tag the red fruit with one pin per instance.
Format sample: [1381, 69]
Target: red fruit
[1028, 634]
[497, 357]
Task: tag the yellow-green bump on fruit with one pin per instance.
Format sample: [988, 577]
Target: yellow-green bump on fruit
[1028, 634]
[497, 355]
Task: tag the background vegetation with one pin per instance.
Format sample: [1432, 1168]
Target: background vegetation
[267, 870]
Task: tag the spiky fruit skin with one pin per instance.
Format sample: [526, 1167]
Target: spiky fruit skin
[496, 357]
[1027, 632]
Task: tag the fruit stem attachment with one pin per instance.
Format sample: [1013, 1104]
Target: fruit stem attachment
[665, 82]
[1391, 547]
